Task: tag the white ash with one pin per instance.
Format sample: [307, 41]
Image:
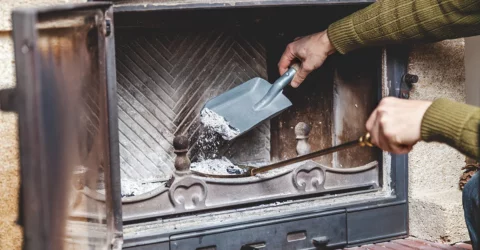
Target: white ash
[221, 166]
[209, 144]
[137, 187]
[215, 122]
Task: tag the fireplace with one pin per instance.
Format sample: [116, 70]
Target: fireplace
[139, 126]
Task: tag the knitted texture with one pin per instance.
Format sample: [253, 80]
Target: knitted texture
[455, 124]
[406, 21]
[409, 21]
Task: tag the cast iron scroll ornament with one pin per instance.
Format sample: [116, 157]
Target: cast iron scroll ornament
[189, 193]
[309, 177]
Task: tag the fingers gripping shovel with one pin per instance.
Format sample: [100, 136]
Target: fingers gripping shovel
[253, 102]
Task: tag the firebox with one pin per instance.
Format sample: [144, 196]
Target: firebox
[109, 98]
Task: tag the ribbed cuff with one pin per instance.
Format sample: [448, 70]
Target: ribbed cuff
[342, 35]
[444, 121]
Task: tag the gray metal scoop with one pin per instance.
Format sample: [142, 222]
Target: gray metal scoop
[252, 102]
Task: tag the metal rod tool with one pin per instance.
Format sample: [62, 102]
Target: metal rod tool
[363, 141]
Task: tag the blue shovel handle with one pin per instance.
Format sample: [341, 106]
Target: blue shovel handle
[277, 87]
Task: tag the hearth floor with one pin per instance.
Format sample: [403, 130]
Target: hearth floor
[412, 243]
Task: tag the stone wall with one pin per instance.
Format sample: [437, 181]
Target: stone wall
[436, 211]
[435, 201]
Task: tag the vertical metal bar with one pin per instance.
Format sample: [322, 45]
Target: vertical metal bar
[31, 211]
[397, 61]
[114, 202]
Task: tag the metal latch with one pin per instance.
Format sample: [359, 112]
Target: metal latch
[406, 85]
[107, 27]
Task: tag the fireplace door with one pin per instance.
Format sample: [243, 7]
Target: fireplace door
[65, 98]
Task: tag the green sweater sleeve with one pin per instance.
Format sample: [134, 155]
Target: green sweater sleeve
[406, 21]
[455, 124]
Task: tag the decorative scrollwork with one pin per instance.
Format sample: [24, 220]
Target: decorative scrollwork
[189, 193]
[309, 177]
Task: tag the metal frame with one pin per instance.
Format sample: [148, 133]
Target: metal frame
[140, 6]
[359, 221]
[36, 145]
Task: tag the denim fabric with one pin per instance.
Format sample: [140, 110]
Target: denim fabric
[471, 208]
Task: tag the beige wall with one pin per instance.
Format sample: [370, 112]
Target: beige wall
[10, 235]
[472, 74]
[435, 204]
[434, 169]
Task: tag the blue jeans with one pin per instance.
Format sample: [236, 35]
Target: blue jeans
[471, 208]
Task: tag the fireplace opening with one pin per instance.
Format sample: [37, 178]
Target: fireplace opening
[167, 69]
[170, 62]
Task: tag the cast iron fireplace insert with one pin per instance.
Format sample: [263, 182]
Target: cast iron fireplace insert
[136, 75]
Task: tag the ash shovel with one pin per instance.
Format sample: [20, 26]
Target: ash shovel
[252, 102]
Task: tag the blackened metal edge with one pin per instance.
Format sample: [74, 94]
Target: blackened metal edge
[397, 62]
[369, 207]
[142, 7]
[156, 238]
[253, 224]
[382, 238]
[31, 209]
[66, 7]
[114, 207]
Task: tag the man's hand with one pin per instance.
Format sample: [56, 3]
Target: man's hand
[311, 51]
[395, 124]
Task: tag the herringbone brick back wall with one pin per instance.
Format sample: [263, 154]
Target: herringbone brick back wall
[164, 79]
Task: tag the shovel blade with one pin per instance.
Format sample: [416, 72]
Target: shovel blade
[237, 105]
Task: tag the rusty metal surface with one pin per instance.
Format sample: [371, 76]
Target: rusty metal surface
[336, 101]
[312, 104]
[357, 85]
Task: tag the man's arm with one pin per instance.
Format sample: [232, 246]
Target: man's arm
[396, 125]
[381, 23]
[456, 124]
[406, 21]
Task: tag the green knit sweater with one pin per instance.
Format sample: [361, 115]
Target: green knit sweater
[411, 21]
